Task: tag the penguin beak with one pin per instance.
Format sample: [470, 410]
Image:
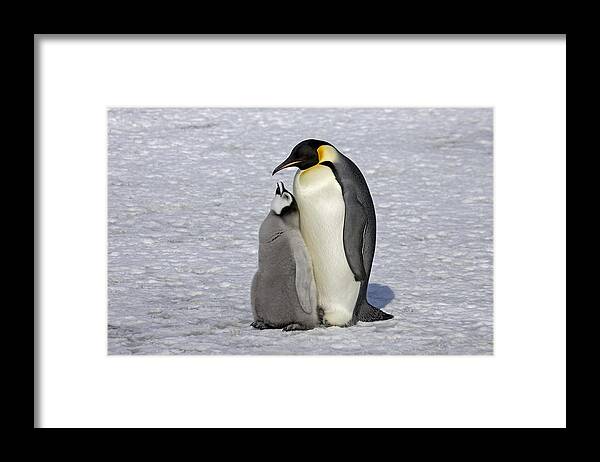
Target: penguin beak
[285, 164]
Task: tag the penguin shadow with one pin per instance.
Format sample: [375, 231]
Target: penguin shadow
[380, 295]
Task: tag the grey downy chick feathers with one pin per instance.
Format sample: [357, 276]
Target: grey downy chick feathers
[283, 292]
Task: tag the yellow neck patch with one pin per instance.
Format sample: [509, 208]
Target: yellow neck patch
[327, 153]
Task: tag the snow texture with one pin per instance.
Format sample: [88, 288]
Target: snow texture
[188, 189]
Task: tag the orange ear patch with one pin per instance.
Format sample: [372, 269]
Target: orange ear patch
[326, 152]
[321, 153]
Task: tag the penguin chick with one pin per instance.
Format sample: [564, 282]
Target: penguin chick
[283, 292]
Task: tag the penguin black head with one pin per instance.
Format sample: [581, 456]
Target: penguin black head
[284, 201]
[306, 154]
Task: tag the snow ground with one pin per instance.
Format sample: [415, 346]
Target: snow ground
[188, 189]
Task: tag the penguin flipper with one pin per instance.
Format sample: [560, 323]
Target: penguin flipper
[368, 313]
[355, 224]
[306, 288]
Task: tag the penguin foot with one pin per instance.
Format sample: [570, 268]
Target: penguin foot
[325, 322]
[260, 325]
[295, 326]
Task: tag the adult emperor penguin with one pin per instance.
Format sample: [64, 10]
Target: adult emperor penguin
[337, 222]
[283, 292]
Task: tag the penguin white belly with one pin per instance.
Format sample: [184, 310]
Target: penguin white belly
[322, 212]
